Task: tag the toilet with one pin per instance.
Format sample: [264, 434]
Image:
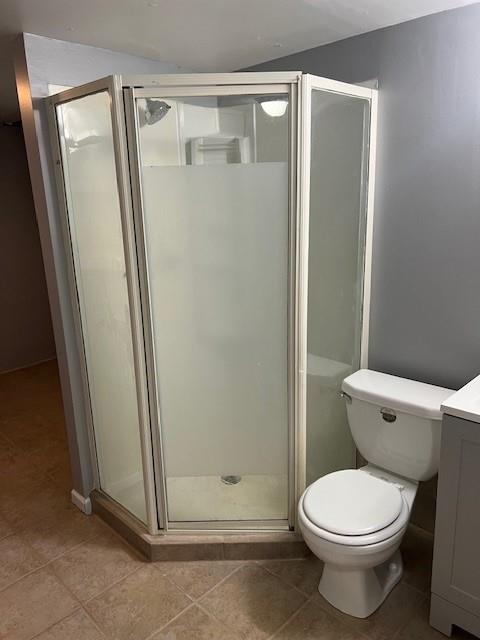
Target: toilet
[354, 519]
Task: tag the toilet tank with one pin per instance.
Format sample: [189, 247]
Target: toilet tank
[395, 422]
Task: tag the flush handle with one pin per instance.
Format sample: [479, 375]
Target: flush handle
[346, 397]
[388, 415]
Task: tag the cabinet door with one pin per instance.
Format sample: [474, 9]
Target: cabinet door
[456, 571]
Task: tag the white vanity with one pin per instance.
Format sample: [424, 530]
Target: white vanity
[456, 563]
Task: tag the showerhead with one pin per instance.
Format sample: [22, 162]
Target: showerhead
[155, 110]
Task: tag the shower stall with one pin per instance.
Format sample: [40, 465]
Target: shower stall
[218, 235]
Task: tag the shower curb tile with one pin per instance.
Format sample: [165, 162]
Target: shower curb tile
[265, 550]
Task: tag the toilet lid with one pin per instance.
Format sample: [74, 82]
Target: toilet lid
[352, 503]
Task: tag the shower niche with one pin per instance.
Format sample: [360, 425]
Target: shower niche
[218, 235]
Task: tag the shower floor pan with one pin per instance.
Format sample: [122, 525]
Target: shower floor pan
[212, 498]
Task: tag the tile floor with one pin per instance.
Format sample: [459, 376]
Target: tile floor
[65, 576]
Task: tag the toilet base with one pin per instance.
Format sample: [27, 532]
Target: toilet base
[360, 592]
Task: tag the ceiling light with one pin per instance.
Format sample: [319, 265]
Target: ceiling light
[275, 108]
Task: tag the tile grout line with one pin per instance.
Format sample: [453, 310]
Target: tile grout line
[343, 619]
[196, 602]
[190, 606]
[248, 563]
[216, 618]
[44, 564]
[181, 589]
[94, 622]
[290, 619]
[78, 603]
[79, 608]
[113, 584]
[224, 579]
[28, 573]
[285, 582]
[209, 590]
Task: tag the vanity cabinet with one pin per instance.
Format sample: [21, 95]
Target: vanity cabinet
[456, 563]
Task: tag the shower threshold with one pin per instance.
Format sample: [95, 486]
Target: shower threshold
[192, 545]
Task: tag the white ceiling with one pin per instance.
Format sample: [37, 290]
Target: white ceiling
[201, 34]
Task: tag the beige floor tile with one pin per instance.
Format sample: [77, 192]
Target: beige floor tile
[61, 474]
[424, 508]
[5, 528]
[399, 607]
[13, 464]
[96, 565]
[138, 605]
[29, 432]
[18, 487]
[27, 507]
[418, 628]
[304, 573]
[196, 578]
[49, 457]
[78, 626]
[53, 537]
[417, 554]
[195, 624]
[314, 623]
[253, 602]
[17, 558]
[33, 604]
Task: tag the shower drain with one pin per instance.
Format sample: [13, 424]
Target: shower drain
[231, 479]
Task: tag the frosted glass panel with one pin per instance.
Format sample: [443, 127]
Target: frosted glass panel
[339, 155]
[96, 237]
[215, 192]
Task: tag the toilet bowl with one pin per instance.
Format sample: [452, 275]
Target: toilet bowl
[359, 548]
[354, 519]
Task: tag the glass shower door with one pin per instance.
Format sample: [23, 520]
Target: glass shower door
[214, 179]
[95, 241]
[339, 142]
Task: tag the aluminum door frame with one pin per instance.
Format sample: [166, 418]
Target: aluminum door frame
[301, 86]
[310, 83]
[111, 86]
[215, 85]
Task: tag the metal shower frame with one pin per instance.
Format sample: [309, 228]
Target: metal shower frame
[123, 90]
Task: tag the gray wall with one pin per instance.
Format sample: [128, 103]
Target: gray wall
[41, 61]
[26, 335]
[425, 315]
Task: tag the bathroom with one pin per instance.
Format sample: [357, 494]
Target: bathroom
[281, 248]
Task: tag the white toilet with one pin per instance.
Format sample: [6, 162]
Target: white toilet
[354, 520]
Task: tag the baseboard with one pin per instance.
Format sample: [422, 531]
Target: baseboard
[82, 503]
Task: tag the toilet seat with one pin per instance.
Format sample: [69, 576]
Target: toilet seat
[353, 507]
